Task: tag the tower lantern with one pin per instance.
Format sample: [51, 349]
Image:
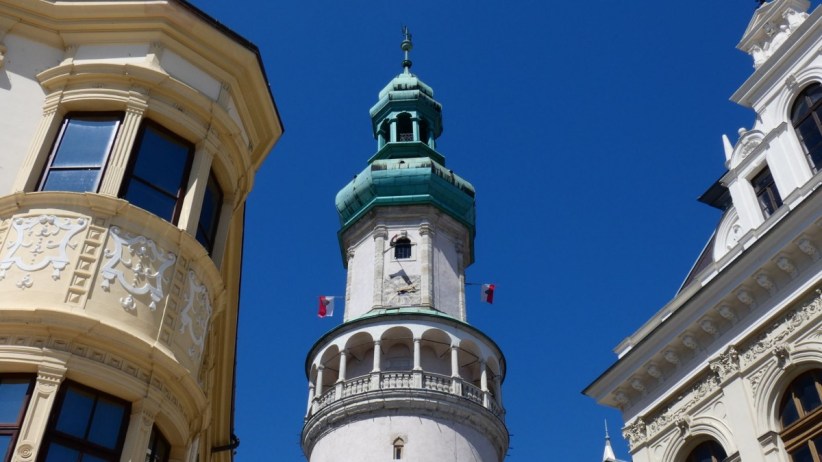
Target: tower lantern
[405, 377]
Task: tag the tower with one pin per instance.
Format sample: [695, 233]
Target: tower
[131, 133]
[405, 377]
[731, 368]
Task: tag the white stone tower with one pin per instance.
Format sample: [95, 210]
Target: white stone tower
[405, 377]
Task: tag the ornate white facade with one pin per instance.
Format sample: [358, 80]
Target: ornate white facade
[101, 299]
[715, 369]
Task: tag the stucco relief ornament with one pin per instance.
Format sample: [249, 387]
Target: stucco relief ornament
[143, 262]
[196, 314]
[41, 241]
[635, 433]
[726, 364]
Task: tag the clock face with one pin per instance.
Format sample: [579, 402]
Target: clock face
[402, 290]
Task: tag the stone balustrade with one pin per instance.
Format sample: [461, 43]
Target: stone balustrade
[419, 381]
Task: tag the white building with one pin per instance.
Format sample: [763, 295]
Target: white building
[130, 133]
[731, 368]
[405, 377]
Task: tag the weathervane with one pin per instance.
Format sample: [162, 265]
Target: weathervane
[406, 46]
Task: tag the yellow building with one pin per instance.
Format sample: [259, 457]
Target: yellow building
[131, 133]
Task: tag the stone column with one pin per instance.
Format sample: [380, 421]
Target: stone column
[140, 423]
[375, 371]
[320, 369]
[196, 188]
[393, 126]
[415, 128]
[380, 234]
[343, 365]
[417, 360]
[461, 275]
[484, 383]
[40, 145]
[498, 387]
[49, 377]
[349, 254]
[310, 399]
[123, 145]
[427, 265]
[456, 383]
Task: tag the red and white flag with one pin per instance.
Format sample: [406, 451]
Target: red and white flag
[488, 293]
[326, 308]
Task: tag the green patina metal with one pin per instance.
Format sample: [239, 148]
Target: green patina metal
[406, 169]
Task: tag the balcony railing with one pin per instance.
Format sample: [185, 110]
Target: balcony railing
[415, 380]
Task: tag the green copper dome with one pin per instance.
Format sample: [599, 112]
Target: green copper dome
[411, 181]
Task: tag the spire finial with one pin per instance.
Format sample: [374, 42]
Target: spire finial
[608, 453]
[606, 430]
[406, 46]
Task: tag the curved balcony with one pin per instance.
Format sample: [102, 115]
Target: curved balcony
[104, 271]
[407, 380]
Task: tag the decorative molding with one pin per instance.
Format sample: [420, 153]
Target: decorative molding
[726, 364]
[41, 241]
[145, 263]
[780, 330]
[786, 264]
[195, 315]
[807, 247]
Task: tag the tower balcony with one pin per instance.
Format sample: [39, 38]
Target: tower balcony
[95, 276]
[422, 364]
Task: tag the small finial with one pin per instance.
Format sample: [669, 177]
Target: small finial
[606, 430]
[406, 46]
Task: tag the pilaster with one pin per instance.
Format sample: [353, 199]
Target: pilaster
[49, 378]
[140, 424]
[380, 235]
[121, 151]
[427, 265]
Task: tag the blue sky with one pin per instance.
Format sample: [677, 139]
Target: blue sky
[588, 130]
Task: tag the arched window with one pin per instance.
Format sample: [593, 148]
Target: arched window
[405, 129]
[709, 451]
[801, 415]
[402, 248]
[806, 117]
[384, 133]
[399, 445]
[424, 131]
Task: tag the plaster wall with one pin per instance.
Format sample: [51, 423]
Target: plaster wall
[360, 297]
[448, 287]
[426, 439]
[22, 96]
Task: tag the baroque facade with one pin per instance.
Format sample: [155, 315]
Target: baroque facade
[405, 377]
[131, 133]
[731, 368]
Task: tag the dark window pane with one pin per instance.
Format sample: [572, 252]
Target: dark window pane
[85, 142]
[12, 396]
[72, 180]
[809, 133]
[802, 454]
[75, 412]
[402, 248]
[210, 213]
[106, 424]
[148, 198]
[161, 160]
[60, 453]
[805, 389]
[89, 458]
[789, 413]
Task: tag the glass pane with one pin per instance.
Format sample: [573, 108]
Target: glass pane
[75, 413]
[814, 93]
[789, 414]
[12, 395]
[72, 180]
[150, 199]
[86, 142]
[210, 213]
[106, 423]
[58, 453]
[816, 158]
[90, 458]
[802, 454]
[809, 133]
[805, 389]
[800, 109]
[5, 442]
[160, 149]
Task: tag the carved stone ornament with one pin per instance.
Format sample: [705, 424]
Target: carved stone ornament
[196, 314]
[765, 281]
[786, 265]
[745, 297]
[139, 265]
[774, 33]
[656, 373]
[690, 342]
[726, 364]
[635, 433]
[709, 327]
[677, 411]
[807, 247]
[671, 357]
[40, 241]
[777, 334]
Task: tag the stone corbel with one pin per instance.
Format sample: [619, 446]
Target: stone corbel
[683, 424]
[782, 352]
